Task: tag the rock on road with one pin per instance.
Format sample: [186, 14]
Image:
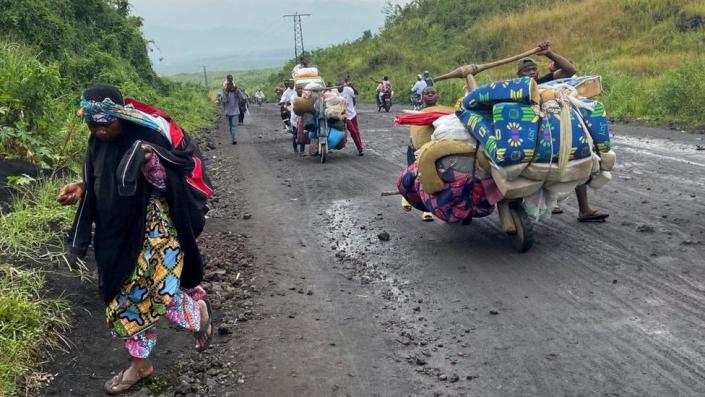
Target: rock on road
[593, 309]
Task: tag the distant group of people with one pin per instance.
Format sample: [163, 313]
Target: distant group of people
[290, 120]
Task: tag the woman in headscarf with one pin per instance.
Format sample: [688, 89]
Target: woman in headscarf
[134, 192]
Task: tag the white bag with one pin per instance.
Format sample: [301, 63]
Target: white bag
[305, 72]
[449, 127]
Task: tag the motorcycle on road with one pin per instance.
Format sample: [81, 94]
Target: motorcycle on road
[416, 101]
[384, 102]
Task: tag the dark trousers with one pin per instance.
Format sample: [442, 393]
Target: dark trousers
[301, 146]
[410, 157]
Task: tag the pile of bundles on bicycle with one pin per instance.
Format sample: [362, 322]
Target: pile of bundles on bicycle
[511, 139]
[320, 112]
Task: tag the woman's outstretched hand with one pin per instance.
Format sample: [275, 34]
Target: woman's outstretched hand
[71, 193]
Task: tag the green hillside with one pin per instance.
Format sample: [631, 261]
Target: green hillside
[649, 52]
[251, 80]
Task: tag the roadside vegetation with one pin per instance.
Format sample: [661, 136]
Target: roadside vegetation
[649, 52]
[50, 50]
[251, 80]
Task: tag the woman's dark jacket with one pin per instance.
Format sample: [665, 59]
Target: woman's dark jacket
[115, 201]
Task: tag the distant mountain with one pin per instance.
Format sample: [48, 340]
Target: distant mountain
[237, 61]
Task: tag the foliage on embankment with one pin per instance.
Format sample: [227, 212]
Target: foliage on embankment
[50, 50]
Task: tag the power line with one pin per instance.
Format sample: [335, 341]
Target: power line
[298, 33]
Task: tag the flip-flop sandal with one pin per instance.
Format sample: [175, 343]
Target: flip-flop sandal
[405, 205]
[595, 216]
[132, 385]
[427, 216]
[557, 210]
[204, 332]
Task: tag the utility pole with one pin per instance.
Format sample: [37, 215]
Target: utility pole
[205, 76]
[298, 34]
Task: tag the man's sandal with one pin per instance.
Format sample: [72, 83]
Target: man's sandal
[405, 205]
[203, 332]
[132, 385]
[594, 216]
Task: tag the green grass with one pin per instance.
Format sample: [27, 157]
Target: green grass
[33, 230]
[30, 323]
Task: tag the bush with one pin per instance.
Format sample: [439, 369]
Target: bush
[679, 94]
[27, 88]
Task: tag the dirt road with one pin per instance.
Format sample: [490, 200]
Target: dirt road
[323, 307]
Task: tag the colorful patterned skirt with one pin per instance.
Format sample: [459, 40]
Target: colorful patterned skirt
[461, 199]
[145, 295]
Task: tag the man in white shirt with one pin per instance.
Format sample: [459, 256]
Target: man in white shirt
[259, 97]
[417, 91]
[350, 114]
[295, 123]
[286, 99]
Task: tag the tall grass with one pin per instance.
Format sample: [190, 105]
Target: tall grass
[30, 324]
[33, 229]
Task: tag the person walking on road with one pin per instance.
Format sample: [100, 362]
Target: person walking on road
[429, 98]
[242, 105]
[297, 130]
[351, 114]
[230, 101]
[143, 230]
[563, 68]
[287, 97]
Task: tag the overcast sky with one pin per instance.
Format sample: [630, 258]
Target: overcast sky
[235, 34]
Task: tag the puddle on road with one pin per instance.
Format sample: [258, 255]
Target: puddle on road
[663, 149]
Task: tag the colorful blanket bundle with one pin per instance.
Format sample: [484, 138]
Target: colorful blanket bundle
[459, 200]
[514, 132]
[541, 139]
[520, 90]
[597, 124]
